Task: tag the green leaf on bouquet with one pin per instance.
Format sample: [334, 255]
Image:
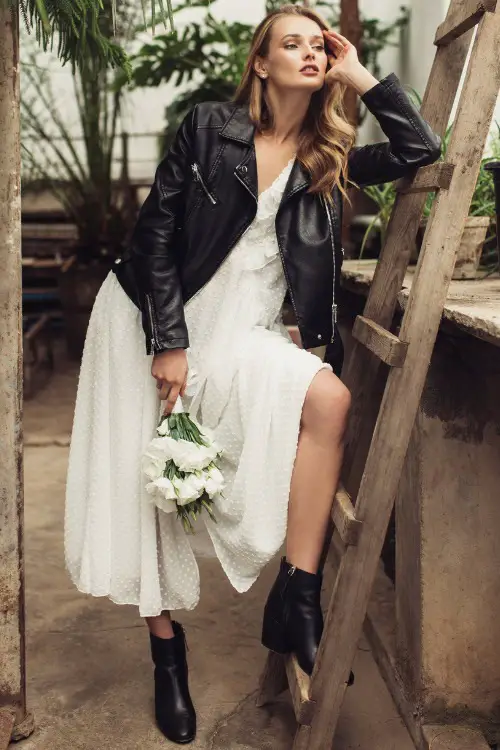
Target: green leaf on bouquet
[208, 507]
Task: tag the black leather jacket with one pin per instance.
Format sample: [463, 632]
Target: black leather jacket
[204, 197]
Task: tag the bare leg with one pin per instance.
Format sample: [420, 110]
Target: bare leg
[317, 468]
[161, 626]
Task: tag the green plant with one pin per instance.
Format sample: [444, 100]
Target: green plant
[81, 178]
[482, 204]
[81, 27]
[210, 55]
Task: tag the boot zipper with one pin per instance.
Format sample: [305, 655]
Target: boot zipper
[198, 178]
[149, 307]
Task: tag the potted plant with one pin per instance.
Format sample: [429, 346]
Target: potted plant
[477, 239]
[78, 171]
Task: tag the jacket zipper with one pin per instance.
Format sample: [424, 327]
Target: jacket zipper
[198, 178]
[149, 307]
[334, 306]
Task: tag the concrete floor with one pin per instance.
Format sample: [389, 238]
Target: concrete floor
[89, 670]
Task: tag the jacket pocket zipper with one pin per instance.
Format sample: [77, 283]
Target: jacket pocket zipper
[149, 307]
[198, 178]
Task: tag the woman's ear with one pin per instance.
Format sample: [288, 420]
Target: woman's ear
[260, 68]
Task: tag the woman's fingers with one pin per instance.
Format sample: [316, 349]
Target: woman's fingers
[163, 389]
[171, 398]
[184, 386]
[338, 37]
[335, 47]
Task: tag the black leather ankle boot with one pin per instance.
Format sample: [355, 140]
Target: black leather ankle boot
[174, 710]
[293, 620]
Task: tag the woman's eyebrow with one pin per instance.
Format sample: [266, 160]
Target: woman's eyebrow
[300, 36]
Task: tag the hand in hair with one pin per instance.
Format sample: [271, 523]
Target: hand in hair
[344, 64]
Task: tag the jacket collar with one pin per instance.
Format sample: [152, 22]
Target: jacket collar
[240, 128]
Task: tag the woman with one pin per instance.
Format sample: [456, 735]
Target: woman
[245, 207]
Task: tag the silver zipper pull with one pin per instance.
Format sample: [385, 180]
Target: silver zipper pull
[292, 570]
[194, 168]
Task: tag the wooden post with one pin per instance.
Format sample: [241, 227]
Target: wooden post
[12, 646]
[350, 27]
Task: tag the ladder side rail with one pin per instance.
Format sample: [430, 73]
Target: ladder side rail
[362, 368]
[421, 321]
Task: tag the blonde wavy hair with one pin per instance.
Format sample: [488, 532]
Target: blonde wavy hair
[327, 136]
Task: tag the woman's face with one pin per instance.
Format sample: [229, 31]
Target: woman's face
[297, 58]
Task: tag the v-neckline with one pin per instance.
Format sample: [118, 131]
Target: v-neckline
[290, 161]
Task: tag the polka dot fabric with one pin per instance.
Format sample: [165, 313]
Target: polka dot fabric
[247, 381]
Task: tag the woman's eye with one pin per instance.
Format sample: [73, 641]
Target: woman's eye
[290, 45]
[320, 47]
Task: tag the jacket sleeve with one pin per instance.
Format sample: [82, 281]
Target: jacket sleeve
[152, 251]
[412, 143]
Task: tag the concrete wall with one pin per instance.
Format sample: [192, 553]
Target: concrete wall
[448, 540]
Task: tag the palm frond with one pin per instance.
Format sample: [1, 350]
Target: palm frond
[84, 29]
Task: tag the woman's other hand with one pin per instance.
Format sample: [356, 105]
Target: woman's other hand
[170, 370]
[345, 66]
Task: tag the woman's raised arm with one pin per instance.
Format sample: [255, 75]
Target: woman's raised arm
[412, 143]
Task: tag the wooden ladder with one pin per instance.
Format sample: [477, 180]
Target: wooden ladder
[380, 426]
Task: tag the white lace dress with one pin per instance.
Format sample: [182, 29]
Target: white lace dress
[247, 381]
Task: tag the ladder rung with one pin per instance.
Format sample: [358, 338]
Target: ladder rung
[466, 15]
[344, 518]
[299, 684]
[384, 344]
[427, 179]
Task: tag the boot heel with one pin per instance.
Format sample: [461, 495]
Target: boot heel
[273, 636]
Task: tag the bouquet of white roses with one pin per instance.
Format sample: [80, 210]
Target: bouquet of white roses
[181, 466]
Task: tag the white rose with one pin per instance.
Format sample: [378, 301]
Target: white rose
[153, 463]
[188, 489]
[214, 482]
[193, 457]
[165, 488]
[186, 455]
[159, 499]
[163, 446]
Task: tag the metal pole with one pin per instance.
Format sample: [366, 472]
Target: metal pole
[12, 633]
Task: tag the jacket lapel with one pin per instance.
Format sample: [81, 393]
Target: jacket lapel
[240, 128]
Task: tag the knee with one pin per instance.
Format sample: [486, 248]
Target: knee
[327, 403]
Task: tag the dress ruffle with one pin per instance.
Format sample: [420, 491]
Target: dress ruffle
[255, 252]
[259, 251]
